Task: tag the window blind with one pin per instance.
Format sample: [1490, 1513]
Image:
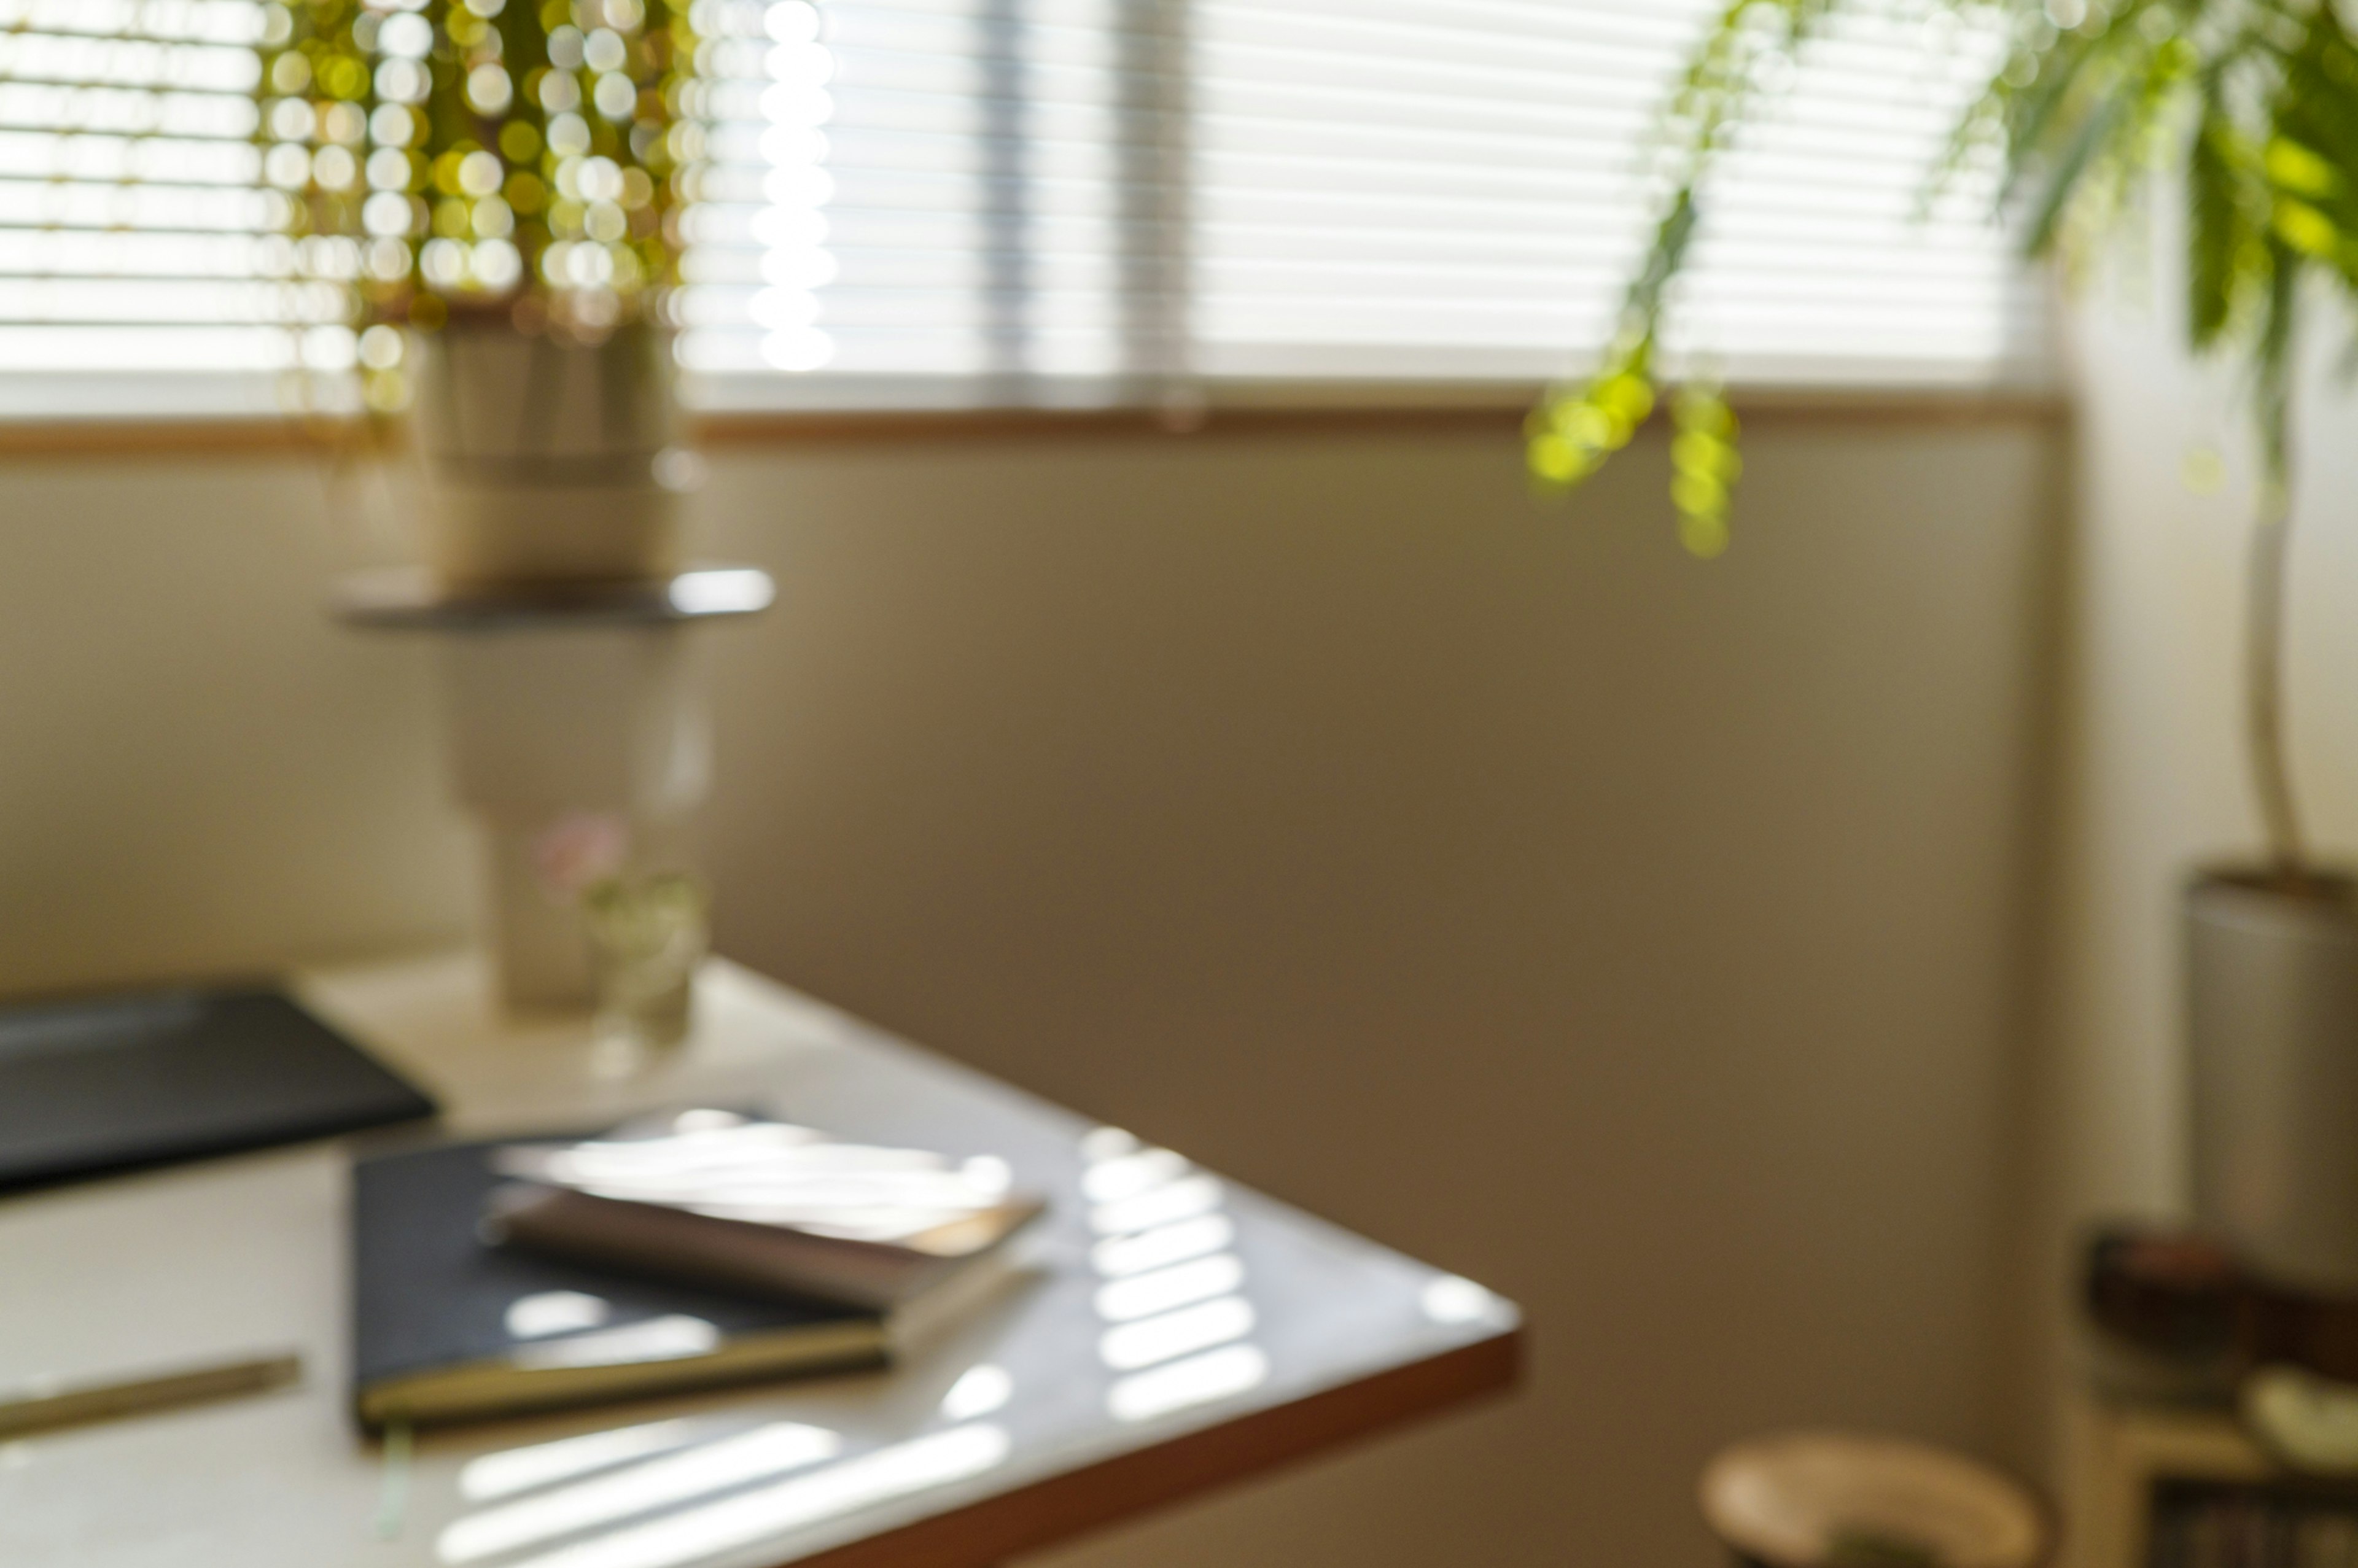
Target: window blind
[1406, 188]
[980, 201]
[963, 199]
[140, 244]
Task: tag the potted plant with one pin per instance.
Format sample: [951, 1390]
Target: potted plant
[2255, 107]
[499, 187]
[500, 184]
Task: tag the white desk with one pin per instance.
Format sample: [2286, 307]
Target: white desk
[1327, 1337]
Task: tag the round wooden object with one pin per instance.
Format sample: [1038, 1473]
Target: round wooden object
[1807, 1499]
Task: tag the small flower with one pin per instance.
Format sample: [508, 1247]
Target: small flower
[578, 850]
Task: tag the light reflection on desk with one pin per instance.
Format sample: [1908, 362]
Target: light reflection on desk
[515, 1470]
[604, 1498]
[1120, 1255]
[979, 1390]
[1180, 1284]
[746, 1517]
[1173, 1296]
[683, 1461]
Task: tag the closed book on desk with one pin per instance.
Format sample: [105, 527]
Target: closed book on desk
[740, 1204]
[448, 1328]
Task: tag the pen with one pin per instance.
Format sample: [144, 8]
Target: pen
[40, 1406]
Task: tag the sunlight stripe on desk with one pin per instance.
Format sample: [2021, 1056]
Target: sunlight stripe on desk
[863, 1482]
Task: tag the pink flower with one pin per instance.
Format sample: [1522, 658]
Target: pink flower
[579, 848]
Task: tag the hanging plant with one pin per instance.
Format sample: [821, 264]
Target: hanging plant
[481, 157]
[2252, 104]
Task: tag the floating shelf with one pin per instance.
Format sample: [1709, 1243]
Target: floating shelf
[407, 599]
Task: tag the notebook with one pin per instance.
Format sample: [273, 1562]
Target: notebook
[447, 1328]
[743, 1204]
[107, 1083]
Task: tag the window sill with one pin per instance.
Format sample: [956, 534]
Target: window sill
[1265, 411]
[1349, 410]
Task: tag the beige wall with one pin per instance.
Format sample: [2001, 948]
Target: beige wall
[1638, 937]
[197, 772]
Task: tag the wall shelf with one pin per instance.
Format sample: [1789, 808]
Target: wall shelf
[407, 599]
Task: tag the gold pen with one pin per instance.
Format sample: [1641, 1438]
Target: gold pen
[42, 1406]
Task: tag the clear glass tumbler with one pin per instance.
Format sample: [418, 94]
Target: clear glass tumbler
[649, 932]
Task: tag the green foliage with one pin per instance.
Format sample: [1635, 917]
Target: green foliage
[1704, 464]
[2226, 214]
[1575, 429]
[2253, 104]
[1572, 436]
[528, 156]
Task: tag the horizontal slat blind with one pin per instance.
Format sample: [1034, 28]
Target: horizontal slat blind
[1406, 188]
[962, 193]
[1084, 201]
[138, 230]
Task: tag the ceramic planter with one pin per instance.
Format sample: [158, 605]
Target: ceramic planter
[2272, 993]
[544, 455]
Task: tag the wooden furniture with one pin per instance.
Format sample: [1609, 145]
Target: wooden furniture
[2116, 1452]
[1179, 1332]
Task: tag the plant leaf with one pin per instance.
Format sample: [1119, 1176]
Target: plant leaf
[2220, 229]
[2062, 180]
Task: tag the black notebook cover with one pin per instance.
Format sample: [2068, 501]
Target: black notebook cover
[431, 1311]
[107, 1083]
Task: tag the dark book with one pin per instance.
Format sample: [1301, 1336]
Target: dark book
[2309, 1523]
[447, 1328]
[2186, 1301]
[109, 1083]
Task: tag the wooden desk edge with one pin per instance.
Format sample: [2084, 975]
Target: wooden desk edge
[1062, 1507]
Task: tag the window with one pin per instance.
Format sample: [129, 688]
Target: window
[136, 233]
[943, 200]
[1410, 188]
[937, 202]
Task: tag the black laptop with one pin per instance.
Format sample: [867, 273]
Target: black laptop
[104, 1083]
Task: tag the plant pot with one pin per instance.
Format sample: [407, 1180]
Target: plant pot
[2272, 1017]
[544, 455]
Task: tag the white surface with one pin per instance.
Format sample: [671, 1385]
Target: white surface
[249, 1251]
